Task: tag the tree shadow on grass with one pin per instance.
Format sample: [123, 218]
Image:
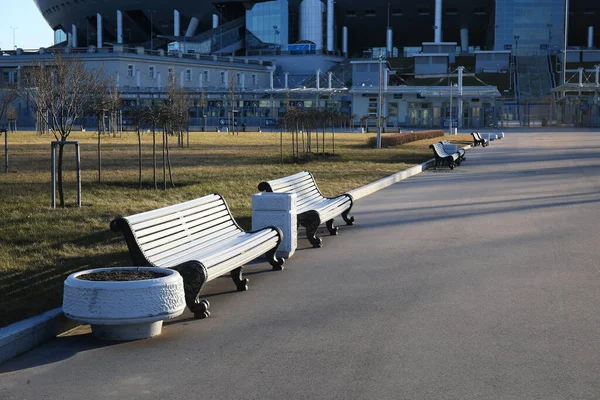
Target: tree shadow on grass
[27, 293]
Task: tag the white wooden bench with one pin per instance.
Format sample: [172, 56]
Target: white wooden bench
[453, 148]
[442, 156]
[312, 207]
[478, 140]
[201, 240]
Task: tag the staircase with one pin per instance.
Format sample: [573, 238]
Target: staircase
[227, 38]
[534, 77]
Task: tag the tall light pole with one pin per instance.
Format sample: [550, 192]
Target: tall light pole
[151, 30]
[566, 35]
[380, 102]
[450, 121]
[14, 28]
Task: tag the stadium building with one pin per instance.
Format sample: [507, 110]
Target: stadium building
[471, 64]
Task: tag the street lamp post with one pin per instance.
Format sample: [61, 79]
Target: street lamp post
[379, 103]
[14, 28]
[151, 30]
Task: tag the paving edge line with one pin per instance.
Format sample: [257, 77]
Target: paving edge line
[23, 336]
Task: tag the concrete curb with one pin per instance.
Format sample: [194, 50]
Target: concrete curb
[23, 336]
[390, 180]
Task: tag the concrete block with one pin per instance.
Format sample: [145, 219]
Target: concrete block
[277, 209]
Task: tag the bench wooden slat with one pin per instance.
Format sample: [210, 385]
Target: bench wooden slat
[183, 243]
[232, 245]
[152, 214]
[173, 227]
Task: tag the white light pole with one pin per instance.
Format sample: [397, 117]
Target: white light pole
[14, 28]
[379, 103]
[566, 35]
[450, 124]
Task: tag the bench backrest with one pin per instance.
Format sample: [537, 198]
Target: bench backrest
[159, 236]
[449, 147]
[476, 136]
[439, 149]
[302, 183]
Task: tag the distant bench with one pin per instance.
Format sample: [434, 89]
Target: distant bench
[312, 207]
[201, 240]
[478, 140]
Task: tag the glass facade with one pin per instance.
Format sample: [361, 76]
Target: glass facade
[529, 26]
[59, 36]
[267, 27]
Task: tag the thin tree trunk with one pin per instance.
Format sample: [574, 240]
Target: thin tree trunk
[99, 155]
[164, 159]
[154, 156]
[332, 142]
[139, 157]
[169, 164]
[61, 192]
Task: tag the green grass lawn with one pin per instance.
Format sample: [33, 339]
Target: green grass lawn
[40, 246]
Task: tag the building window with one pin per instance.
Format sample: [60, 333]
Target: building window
[206, 76]
[350, 13]
[479, 11]
[369, 13]
[238, 78]
[590, 11]
[188, 75]
[171, 75]
[222, 76]
[130, 70]
[397, 12]
[152, 72]
[451, 11]
[254, 80]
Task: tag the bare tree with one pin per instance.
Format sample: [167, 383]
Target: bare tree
[8, 95]
[104, 100]
[61, 91]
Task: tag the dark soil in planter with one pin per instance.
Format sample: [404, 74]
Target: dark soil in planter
[121, 275]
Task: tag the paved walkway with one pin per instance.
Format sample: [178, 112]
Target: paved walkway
[481, 283]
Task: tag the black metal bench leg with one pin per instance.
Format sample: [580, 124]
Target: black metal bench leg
[311, 233]
[348, 220]
[194, 276]
[333, 230]
[276, 263]
[240, 282]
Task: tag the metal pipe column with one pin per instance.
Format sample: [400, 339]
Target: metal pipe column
[438, 21]
[330, 25]
[99, 30]
[119, 27]
[176, 23]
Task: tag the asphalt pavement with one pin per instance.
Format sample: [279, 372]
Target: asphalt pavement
[477, 283]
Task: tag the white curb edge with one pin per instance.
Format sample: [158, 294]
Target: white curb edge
[373, 187]
[23, 336]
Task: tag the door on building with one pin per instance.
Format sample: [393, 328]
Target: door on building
[475, 117]
[420, 115]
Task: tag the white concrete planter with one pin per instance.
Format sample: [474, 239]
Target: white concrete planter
[124, 310]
